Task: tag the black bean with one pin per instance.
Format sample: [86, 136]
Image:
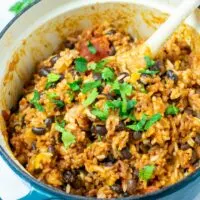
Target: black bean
[112, 51]
[69, 44]
[54, 59]
[33, 146]
[171, 75]
[48, 121]
[51, 149]
[111, 32]
[184, 146]
[197, 139]
[137, 135]
[38, 130]
[194, 157]
[69, 176]
[44, 71]
[99, 129]
[100, 89]
[97, 76]
[131, 186]
[144, 148]
[109, 160]
[121, 126]
[117, 188]
[122, 76]
[77, 184]
[126, 153]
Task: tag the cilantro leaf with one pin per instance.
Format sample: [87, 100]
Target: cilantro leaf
[59, 103]
[126, 88]
[52, 95]
[75, 85]
[139, 125]
[146, 172]
[114, 104]
[35, 99]
[91, 48]
[102, 115]
[91, 97]
[131, 104]
[148, 72]
[52, 79]
[81, 64]
[108, 74]
[172, 110]
[97, 67]
[67, 137]
[152, 120]
[20, 5]
[149, 61]
[90, 85]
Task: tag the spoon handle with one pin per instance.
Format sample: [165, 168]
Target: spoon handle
[156, 41]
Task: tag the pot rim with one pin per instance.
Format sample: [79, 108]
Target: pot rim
[56, 192]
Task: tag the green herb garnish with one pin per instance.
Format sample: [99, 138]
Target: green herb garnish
[172, 110]
[152, 120]
[90, 85]
[20, 5]
[81, 64]
[97, 67]
[146, 172]
[91, 98]
[148, 72]
[51, 80]
[67, 137]
[102, 115]
[59, 103]
[91, 48]
[75, 85]
[108, 74]
[149, 61]
[52, 95]
[139, 125]
[35, 99]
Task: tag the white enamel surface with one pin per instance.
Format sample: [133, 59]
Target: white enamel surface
[35, 50]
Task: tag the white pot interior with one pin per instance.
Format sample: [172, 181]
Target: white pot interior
[24, 44]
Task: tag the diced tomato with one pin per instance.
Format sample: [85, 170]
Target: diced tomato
[101, 45]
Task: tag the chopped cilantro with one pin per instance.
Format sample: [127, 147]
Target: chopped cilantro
[51, 80]
[146, 172]
[75, 85]
[143, 89]
[80, 64]
[99, 138]
[35, 99]
[67, 137]
[148, 72]
[102, 115]
[59, 103]
[91, 48]
[149, 61]
[91, 97]
[71, 95]
[139, 125]
[20, 5]
[52, 95]
[131, 104]
[90, 85]
[114, 104]
[172, 110]
[97, 67]
[152, 120]
[108, 74]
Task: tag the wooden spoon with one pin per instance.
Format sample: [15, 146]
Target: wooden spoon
[133, 60]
